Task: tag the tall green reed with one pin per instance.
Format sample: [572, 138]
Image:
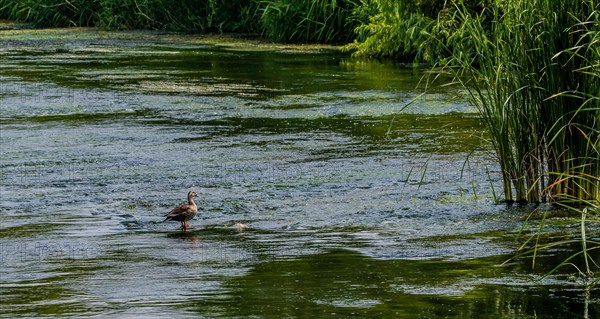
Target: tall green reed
[534, 77]
[533, 72]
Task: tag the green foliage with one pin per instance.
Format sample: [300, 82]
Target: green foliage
[180, 15]
[326, 21]
[280, 20]
[48, 13]
[408, 30]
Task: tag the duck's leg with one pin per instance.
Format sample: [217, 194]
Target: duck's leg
[183, 228]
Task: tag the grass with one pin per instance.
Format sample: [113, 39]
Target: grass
[536, 85]
[178, 15]
[306, 21]
[534, 76]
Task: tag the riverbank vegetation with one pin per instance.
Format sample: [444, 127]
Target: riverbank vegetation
[379, 28]
[321, 21]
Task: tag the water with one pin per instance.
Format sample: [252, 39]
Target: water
[356, 207]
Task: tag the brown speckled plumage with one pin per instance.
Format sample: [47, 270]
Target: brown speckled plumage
[184, 213]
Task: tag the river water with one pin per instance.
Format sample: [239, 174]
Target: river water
[357, 205]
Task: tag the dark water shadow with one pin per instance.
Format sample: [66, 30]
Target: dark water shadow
[343, 283]
[187, 235]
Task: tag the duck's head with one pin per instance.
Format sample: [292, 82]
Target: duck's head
[192, 194]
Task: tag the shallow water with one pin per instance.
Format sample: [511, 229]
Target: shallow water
[356, 207]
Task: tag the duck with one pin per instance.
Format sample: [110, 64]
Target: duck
[184, 213]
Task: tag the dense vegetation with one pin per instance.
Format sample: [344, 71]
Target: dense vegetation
[381, 28]
[407, 30]
[279, 20]
[410, 30]
[178, 15]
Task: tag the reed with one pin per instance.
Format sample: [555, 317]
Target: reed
[535, 79]
[533, 73]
